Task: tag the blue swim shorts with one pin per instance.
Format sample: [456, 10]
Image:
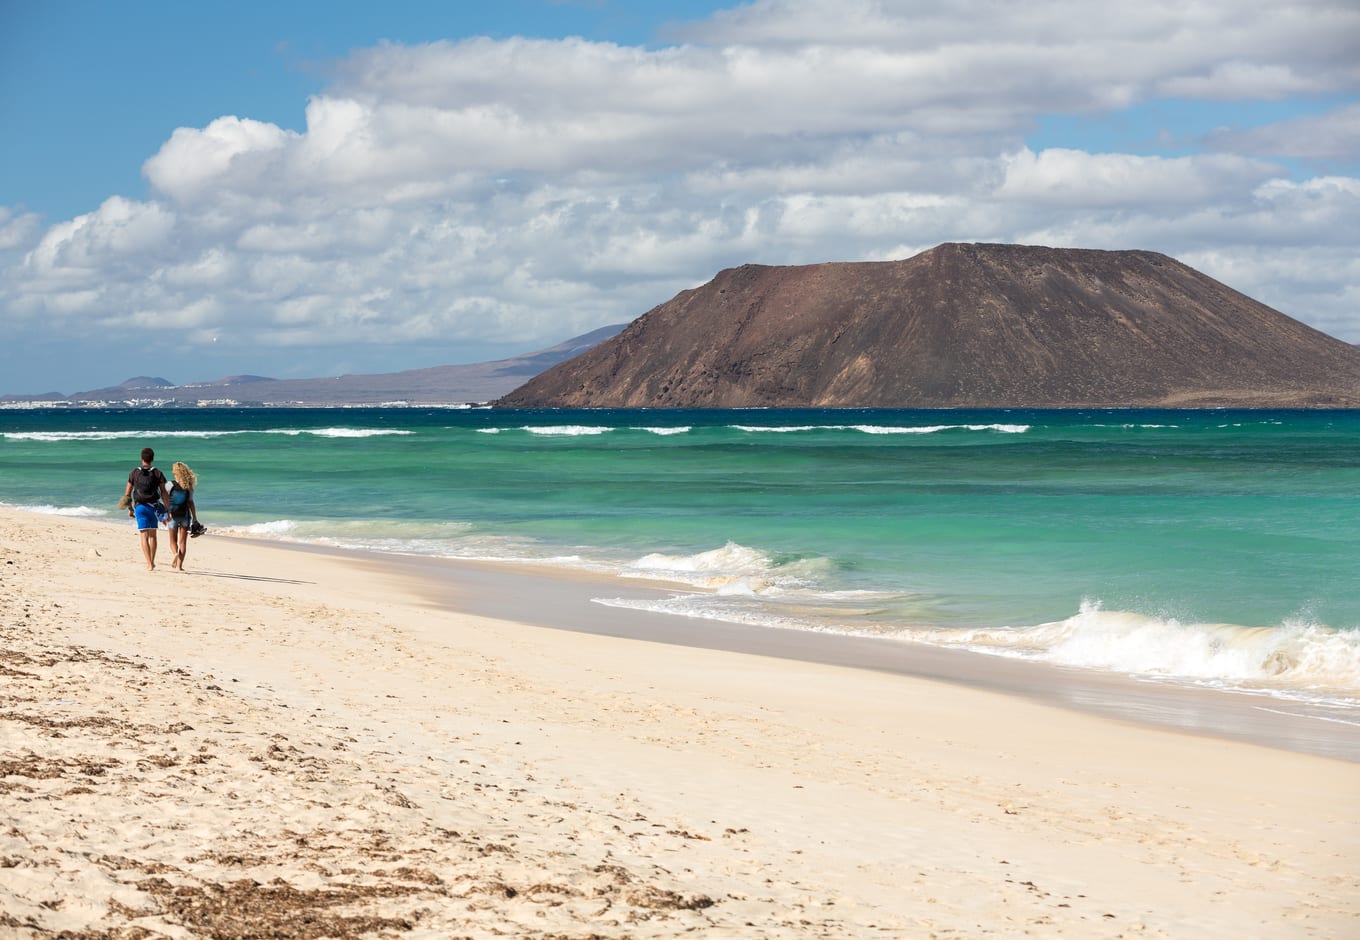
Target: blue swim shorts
[146, 516]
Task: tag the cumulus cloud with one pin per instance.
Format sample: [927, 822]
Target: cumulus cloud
[1095, 181]
[120, 237]
[17, 229]
[1208, 46]
[229, 151]
[519, 191]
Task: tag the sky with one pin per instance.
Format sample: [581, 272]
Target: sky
[306, 189]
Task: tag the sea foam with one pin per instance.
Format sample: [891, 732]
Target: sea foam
[731, 569]
[340, 432]
[61, 437]
[50, 510]
[567, 430]
[882, 429]
[279, 528]
[58, 437]
[1294, 654]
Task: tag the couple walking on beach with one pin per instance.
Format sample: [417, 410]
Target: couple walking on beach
[150, 500]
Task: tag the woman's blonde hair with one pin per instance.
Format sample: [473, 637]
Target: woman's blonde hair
[184, 476]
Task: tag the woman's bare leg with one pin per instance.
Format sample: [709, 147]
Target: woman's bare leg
[180, 542]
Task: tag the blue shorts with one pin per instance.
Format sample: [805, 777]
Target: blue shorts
[174, 523]
[146, 516]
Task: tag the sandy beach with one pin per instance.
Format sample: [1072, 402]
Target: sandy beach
[285, 743]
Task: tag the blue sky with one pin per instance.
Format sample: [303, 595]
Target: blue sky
[304, 189]
[94, 88]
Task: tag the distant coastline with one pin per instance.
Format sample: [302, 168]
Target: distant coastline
[448, 386]
[231, 404]
[172, 404]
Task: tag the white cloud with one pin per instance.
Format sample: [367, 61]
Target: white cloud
[1240, 80]
[523, 190]
[18, 229]
[1215, 47]
[213, 269]
[1323, 281]
[1076, 178]
[229, 151]
[119, 234]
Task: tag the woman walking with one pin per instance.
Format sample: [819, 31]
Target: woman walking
[183, 512]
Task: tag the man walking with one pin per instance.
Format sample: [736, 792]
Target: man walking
[146, 487]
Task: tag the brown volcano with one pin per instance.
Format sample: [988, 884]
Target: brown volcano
[960, 326]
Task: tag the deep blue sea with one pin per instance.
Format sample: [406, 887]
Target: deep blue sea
[1218, 548]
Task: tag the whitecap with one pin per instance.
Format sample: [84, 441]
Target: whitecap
[567, 430]
[937, 428]
[341, 432]
[884, 429]
[57, 437]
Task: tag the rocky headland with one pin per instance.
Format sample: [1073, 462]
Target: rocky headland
[960, 326]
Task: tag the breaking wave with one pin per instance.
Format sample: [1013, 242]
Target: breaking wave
[56, 437]
[1293, 655]
[883, 429]
[50, 510]
[732, 569]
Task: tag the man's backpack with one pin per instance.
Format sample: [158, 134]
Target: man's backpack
[146, 487]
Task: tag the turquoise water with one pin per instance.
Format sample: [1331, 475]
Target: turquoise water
[1215, 547]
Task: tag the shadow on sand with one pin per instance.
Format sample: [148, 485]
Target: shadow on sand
[244, 577]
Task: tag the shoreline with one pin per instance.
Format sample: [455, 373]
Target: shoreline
[343, 745]
[562, 599]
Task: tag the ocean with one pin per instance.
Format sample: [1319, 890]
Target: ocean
[1213, 548]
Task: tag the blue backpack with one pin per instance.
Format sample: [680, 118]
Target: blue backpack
[179, 501]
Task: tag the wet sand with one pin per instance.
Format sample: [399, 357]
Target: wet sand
[304, 744]
[565, 600]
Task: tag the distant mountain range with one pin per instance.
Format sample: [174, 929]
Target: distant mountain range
[437, 385]
[960, 326]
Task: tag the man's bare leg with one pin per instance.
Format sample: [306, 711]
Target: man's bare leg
[149, 547]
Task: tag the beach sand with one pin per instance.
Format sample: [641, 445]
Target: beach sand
[283, 743]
